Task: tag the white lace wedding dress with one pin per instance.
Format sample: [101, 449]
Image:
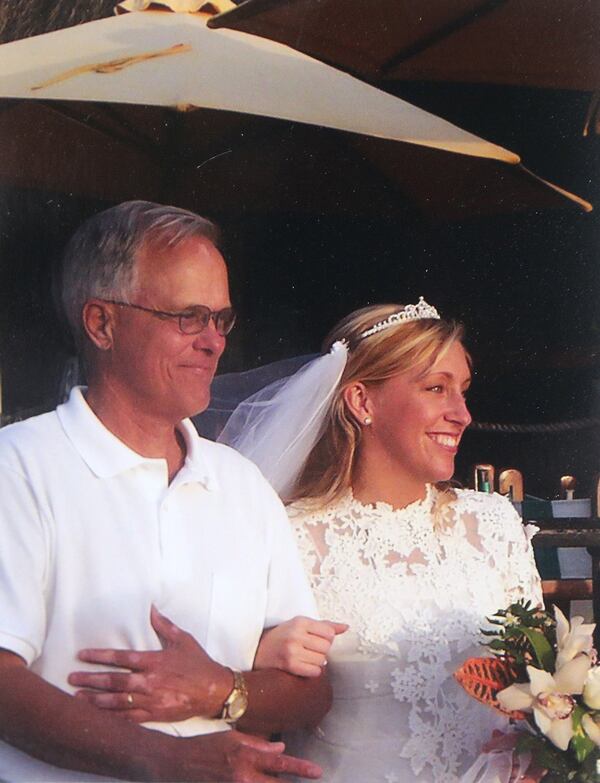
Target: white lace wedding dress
[415, 593]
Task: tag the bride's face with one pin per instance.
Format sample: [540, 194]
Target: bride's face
[418, 419]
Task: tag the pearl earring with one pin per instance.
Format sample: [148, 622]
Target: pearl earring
[367, 420]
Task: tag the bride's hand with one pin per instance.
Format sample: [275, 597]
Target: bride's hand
[298, 646]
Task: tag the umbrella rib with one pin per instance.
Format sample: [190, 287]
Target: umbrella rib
[251, 8]
[440, 34]
[585, 205]
[245, 10]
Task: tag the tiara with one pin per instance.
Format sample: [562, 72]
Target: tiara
[409, 313]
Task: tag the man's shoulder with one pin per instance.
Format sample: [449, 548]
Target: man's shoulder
[28, 437]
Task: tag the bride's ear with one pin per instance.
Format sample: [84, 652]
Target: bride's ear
[358, 401]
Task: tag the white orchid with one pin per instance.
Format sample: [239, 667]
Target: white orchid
[573, 639]
[591, 688]
[550, 698]
[591, 728]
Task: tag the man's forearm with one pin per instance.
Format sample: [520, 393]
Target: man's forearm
[182, 681]
[278, 701]
[50, 725]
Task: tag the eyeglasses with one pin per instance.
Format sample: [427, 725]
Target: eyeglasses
[193, 320]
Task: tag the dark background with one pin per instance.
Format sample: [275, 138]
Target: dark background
[525, 285]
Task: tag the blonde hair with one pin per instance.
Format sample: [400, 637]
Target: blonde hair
[327, 473]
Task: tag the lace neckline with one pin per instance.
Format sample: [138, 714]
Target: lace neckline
[381, 507]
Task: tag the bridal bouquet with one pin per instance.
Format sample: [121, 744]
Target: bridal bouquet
[543, 673]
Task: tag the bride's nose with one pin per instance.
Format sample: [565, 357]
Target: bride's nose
[458, 411]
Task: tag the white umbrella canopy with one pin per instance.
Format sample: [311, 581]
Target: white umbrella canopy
[162, 58]
[165, 59]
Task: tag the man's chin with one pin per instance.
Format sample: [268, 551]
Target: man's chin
[194, 405]
[198, 409]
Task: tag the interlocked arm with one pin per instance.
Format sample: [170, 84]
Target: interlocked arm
[182, 681]
[54, 727]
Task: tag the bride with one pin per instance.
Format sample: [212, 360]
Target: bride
[368, 434]
[362, 441]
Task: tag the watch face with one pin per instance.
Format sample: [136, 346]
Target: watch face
[238, 706]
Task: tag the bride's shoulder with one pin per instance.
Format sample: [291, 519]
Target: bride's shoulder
[483, 500]
[490, 508]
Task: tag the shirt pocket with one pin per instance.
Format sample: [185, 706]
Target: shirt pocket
[237, 615]
[187, 602]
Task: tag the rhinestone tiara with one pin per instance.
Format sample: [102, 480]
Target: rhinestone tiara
[412, 312]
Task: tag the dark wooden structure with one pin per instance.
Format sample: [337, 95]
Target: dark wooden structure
[573, 533]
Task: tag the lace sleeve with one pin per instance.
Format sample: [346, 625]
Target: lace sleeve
[528, 583]
[493, 527]
[521, 577]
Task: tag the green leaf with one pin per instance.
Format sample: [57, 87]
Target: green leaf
[583, 746]
[541, 648]
[581, 743]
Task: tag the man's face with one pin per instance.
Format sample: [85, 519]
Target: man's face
[167, 372]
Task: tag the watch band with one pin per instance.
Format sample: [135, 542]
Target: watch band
[236, 703]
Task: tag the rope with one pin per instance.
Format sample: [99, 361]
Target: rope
[477, 426]
[520, 429]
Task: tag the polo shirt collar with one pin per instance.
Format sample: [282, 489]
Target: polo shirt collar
[196, 467]
[106, 455]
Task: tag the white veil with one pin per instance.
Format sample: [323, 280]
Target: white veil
[278, 426]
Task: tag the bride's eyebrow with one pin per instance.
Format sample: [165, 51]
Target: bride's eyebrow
[430, 374]
[433, 373]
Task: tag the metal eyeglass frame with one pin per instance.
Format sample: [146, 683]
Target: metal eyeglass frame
[195, 310]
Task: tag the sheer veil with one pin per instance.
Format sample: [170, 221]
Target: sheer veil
[277, 426]
[280, 422]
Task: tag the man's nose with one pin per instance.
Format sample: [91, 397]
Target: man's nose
[210, 340]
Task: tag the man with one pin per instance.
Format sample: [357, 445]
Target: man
[112, 511]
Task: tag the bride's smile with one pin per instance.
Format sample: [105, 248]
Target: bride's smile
[417, 420]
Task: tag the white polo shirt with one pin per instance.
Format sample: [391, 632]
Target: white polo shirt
[92, 534]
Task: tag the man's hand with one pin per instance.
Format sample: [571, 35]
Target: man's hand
[233, 756]
[50, 725]
[298, 646]
[182, 681]
[179, 682]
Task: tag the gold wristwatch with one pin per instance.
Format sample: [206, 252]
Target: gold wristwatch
[236, 703]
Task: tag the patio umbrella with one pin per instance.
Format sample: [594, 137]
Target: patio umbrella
[167, 59]
[223, 162]
[173, 60]
[511, 42]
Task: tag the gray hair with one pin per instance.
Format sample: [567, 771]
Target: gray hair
[100, 258]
